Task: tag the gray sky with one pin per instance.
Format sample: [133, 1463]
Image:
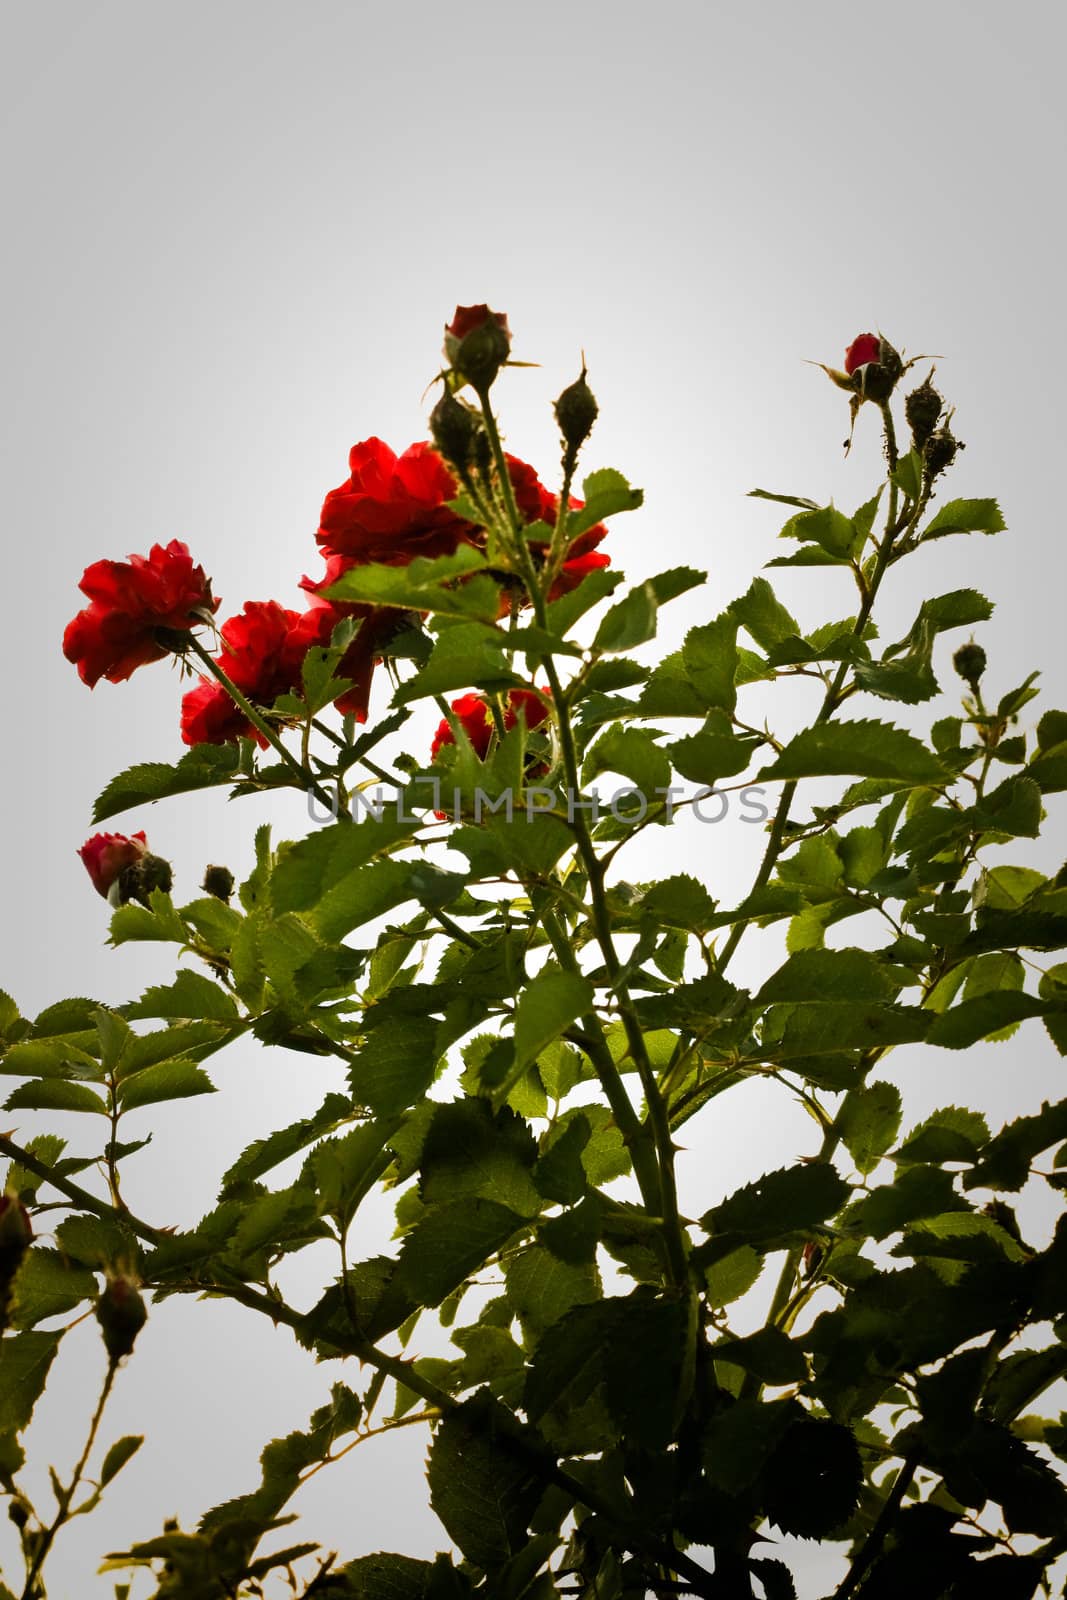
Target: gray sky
[233, 236]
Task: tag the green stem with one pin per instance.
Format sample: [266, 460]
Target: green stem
[258, 721]
[65, 1496]
[872, 1545]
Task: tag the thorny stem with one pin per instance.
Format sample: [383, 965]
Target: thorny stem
[869, 1550]
[262, 726]
[65, 1496]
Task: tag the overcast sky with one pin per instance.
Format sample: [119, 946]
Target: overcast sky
[233, 235]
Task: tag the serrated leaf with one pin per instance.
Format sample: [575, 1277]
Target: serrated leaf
[54, 1094]
[986, 1017]
[395, 1066]
[630, 622]
[550, 1002]
[778, 1203]
[761, 612]
[190, 997]
[868, 1122]
[451, 1243]
[862, 749]
[830, 975]
[711, 660]
[169, 1080]
[203, 767]
[481, 1487]
[48, 1284]
[965, 516]
[23, 1373]
[954, 1133]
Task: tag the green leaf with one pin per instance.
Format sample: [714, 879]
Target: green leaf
[707, 758]
[190, 997]
[827, 527]
[559, 1174]
[954, 1133]
[635, 1348]
[862, 749]
[965, 516]
[121, 1451]
[679, 902]
[829, 975]
[764, 616]
[471, 1150]
[710, 657]
[304, 872]
[733, 1276]
[542, 1288]
[606, 492]
[23, 1372]
[984, 1018]
[465, 655]
[550, 1002]
[263, 1155]
[203, 767]
[868, 1122]
[632, 753]
[916, 1192]
[54, 1095]
[449, 1244]
[781, 1202]
[769, 1354]
[395, 1066]
[483, 1489]
[1005, 1160]
[169, 1080]
[48, 1284]
[783, 499]
[562, 614]
[421, 585]
[630, 622]
[360, 897]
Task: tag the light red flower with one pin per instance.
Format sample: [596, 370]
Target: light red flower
[106, 855]
[865, 347]
[130, 601]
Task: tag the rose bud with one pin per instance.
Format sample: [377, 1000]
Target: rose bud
[121, 1313]
[940, 452]
[454, 427]
[970, 662]
[477, 344]
[218, 881]
[106, 855]
[137, 882]
[576, 411]
[873, 366]
[922, 408]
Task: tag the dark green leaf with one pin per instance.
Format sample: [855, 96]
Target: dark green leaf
[201, 768]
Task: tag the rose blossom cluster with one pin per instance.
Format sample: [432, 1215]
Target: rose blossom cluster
[390, 510]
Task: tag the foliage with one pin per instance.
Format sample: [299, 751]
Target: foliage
[615, 1418]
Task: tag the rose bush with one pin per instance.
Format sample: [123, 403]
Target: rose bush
[633, 1381]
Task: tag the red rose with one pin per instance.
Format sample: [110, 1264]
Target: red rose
[117, 632]
[866, 347]
[260, 660]
[476, 719]
[106, 855]
[392, 508]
